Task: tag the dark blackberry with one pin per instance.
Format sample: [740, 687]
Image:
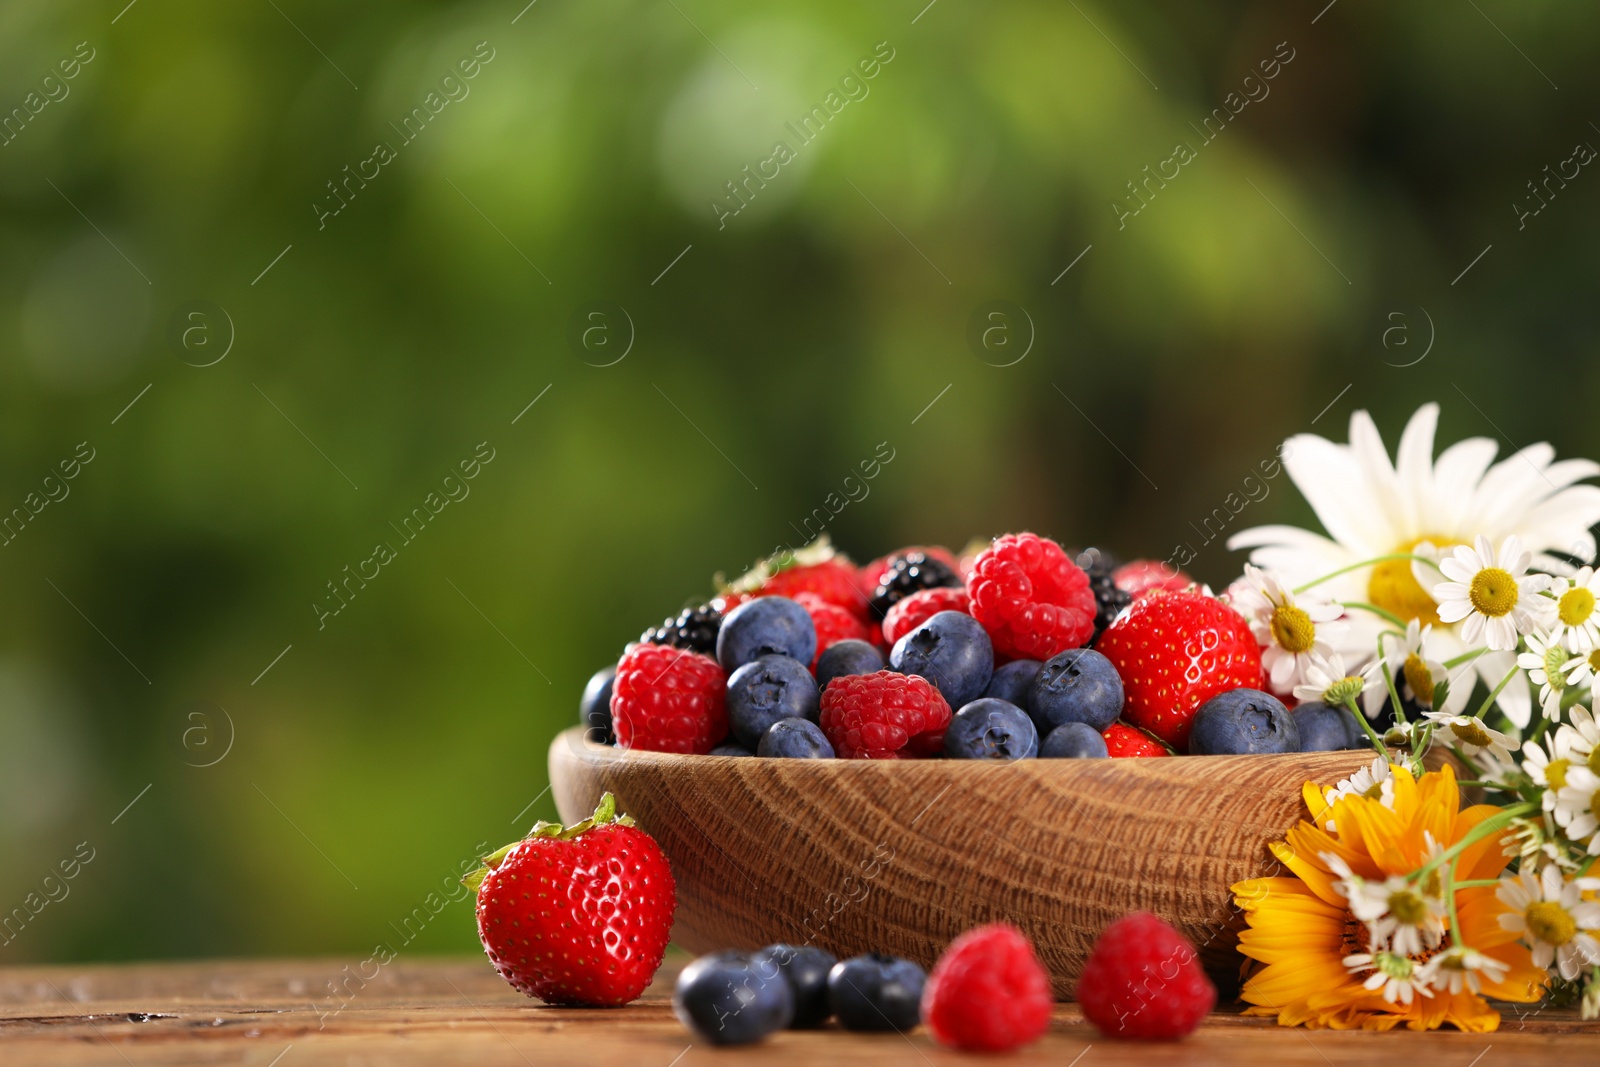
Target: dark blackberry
[1108, 599]
[907, 574]
[693, 628]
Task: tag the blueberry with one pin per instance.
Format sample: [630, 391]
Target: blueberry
[726, 999]
[1078, 685]
[806, 968]
[594, 710]
[766, 626]
[1011, 682]
[876, 992]
[794, 739]
[761, 693]
[991, 729]
[1075, 740]
[1243, 721]
[1327, 728]
[952, 651]
[847, 657]
[731, 748]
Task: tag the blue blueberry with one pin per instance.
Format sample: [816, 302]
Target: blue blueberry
[726, 999]
[761, 693]
[766, 626]
[1075, 740]
[1326, 728]
[794, 739]
[806, 968]
[991, 729]
[1243, 721]
[594, 709]
[952, 651]
[1078, 685]
[847, 657]
[1012, 682]
[876, 992]
[731, 748]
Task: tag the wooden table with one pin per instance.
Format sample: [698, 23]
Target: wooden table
[281, 1014]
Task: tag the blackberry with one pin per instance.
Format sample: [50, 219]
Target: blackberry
[693, 628]
[910, 573]
[1108, 599]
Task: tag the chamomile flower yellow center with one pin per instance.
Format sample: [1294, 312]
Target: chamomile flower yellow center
[1408, 906]
[1575, 606]
[1555, 773]
[1419, 678]
[1550, 922]
[1470, 733]
[1593, 762]
[1396, 590]
[1493, 592]
[1293, 629]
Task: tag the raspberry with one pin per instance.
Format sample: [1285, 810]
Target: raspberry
[921, 606]
[832, 580]
[833, 623]
[1143, 982]
[668, 700]
[1123, 742]
[1175, 651]
[1031, 597]
[988, 992]
[1143, 575]
[883, 716]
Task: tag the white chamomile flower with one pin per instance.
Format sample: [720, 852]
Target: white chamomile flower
[1550, 915]
[1546, 661]
[1411, 657]
[1289, 627]
[1399, 978]
[1577, 806]
[1492, 596]
[1471, 736]
[1576, 619]
[1397, 913]
[1328, 681]
[1375, 781]
[1461, 967]
[1548, 766]
[1585, 736]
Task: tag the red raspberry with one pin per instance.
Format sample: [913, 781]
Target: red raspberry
[870, 574]
[1143, 982]
[1123, 742]
[1145, 574]
[883, 716]
[1031, 597]
[833, 580]
[1175, 651]
[668, 700]
[919, 607]
[833, 623]
[988, 992]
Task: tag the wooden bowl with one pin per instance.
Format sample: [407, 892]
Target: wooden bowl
[900, 857]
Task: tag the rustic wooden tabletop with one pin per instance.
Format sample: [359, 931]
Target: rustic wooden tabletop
[282, 1014]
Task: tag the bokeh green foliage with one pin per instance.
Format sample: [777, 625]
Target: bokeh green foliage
[796, 338]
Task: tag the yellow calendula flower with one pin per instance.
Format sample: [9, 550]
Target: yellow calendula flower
[1314, 961]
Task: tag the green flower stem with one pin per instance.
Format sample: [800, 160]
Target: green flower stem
[1393, 620]
[1366, 563]
[1388, 680]
[1476, 883]
[1372, 735]
[1492, 825]
[1450, 902]
[1465, 657]
[1488, 702]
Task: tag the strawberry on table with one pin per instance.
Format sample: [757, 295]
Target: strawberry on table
[577, 915]
[1174, 652]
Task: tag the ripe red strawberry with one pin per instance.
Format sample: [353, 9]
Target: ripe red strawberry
[919, 607]
[1175, 651]
[577, 916]
[1124, 742]
[869, 575]
[833, 623]
[726, 602]
[1145, 574]
[1143, 982]
[833, 580]
[988, 992]
[883, 716]
[1031, 597]
[668, 700]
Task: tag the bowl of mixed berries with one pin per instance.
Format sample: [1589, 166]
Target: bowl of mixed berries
[882, 756]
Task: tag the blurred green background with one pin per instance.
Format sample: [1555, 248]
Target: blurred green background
[386, 342]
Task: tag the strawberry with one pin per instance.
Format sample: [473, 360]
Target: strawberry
[577, 915]
[1143, 575]
[1174, 652]
[832, 581]
[1124, 742]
